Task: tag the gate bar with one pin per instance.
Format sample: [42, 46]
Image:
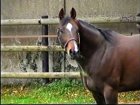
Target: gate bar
[27, 36]
[123, 19]
[31, 48]
[40, 75]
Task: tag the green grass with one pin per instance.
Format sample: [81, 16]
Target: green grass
[64, 91]
[59, 92]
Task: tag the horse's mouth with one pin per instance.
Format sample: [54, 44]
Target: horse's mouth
[73, 54]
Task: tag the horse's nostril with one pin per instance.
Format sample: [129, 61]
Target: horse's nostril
[70, 50]
[74, 54]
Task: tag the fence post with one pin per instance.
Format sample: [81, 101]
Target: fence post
[45, 55]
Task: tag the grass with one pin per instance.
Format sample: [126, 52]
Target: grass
[59, 92]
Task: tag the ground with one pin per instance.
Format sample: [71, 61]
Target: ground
[58, 92]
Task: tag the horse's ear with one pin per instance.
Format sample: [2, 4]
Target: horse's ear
[61, 14]
[73, 13]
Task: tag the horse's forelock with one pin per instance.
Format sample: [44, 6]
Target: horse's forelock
[65, 20]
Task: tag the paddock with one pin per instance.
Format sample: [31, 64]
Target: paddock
[40, 24]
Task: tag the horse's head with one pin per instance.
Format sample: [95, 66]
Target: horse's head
[68, 33]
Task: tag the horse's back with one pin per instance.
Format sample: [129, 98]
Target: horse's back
[129, 44]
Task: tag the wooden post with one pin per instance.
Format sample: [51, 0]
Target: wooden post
[45, 55]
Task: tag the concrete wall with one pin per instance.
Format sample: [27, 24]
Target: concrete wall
[26, 9]
[32, 9]
[86, 8]
[110, 8]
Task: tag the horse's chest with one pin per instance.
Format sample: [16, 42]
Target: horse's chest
[90, 83]
[93, 83]
[94, 79]
[98, 68]
[101, 61]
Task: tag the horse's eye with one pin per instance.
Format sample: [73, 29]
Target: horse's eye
[60, 31]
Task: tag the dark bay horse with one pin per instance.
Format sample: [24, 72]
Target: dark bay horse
[110, 60]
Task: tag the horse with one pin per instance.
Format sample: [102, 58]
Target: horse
[111, 60]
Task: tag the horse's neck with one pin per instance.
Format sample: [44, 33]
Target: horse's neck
[90, 34]
[90, 38]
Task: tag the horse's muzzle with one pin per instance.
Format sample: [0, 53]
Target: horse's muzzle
[74, 54]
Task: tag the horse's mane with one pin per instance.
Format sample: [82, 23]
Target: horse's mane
[106, 33]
